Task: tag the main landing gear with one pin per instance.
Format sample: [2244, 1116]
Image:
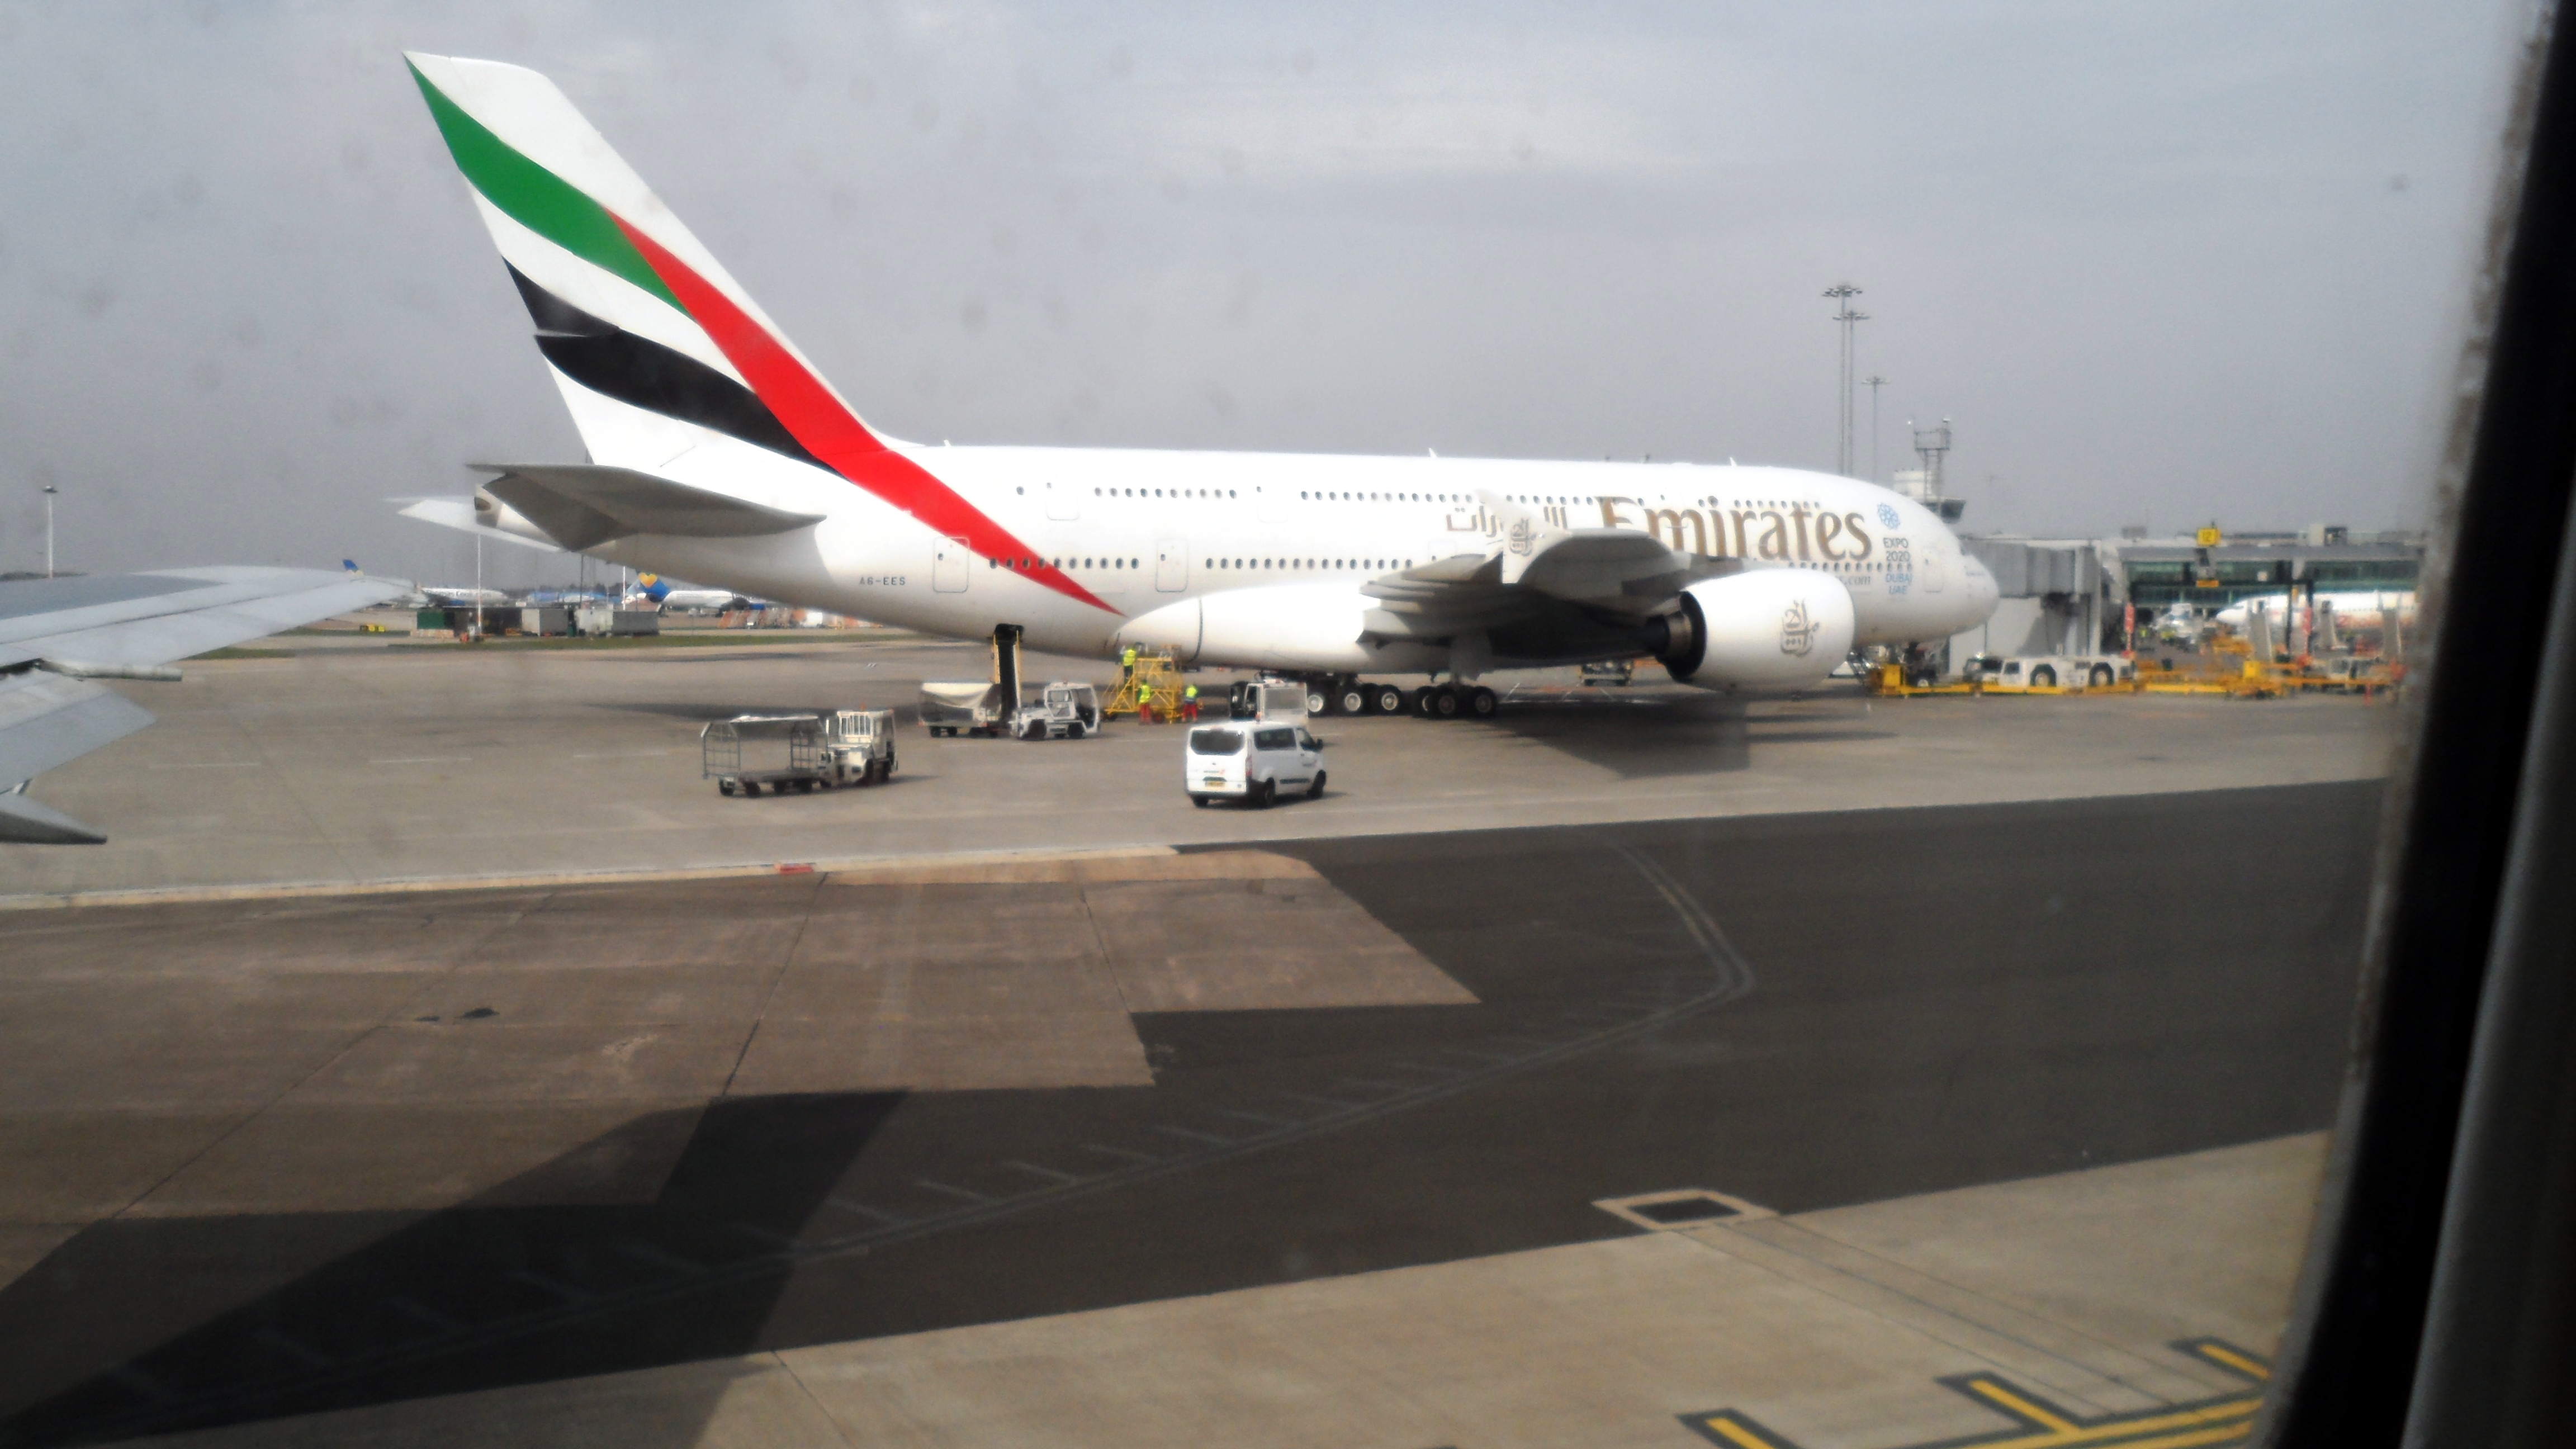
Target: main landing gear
[1350, 696]
[1435, 701]
[1451, 701]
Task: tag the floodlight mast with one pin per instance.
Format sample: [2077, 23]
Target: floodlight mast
[50, 491]
[1843, 292]
[1875, 383]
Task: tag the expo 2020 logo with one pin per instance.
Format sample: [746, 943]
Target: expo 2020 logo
[1887, 515]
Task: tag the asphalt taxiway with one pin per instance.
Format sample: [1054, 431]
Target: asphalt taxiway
[327, 1155]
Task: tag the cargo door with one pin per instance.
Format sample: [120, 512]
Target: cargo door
[948, 571]
[1171, 564]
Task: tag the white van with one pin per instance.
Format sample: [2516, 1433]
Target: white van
[1250, 762]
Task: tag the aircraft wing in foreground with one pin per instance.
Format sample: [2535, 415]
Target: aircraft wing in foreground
[59, 636]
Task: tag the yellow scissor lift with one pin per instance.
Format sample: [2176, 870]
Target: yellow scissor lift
[1153, 680]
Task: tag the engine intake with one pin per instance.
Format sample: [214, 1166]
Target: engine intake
[1766, 626]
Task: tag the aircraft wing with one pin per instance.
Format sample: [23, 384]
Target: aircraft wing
[58, 635]
[1533, 570]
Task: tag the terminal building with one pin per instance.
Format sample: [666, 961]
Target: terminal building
[2076, 595]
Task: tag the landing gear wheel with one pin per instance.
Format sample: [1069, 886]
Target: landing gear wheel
[1388, 699]
[1353, 700]
[1444, 703]
[1422, 702]
[1318, 699]
[1481, 702]
[1316, 791]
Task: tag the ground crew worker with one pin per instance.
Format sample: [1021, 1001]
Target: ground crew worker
[1144, 704]
[1127, 664]
[1190, 703]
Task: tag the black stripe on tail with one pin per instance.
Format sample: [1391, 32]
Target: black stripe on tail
[638, 371]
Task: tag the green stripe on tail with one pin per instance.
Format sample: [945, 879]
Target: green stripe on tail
[536, 198]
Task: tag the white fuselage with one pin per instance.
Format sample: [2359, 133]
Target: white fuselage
[1290, 535]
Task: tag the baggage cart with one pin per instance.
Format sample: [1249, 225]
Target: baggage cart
[952, 707]
[781, 751]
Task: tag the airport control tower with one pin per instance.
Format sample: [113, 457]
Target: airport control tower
[1924, 484]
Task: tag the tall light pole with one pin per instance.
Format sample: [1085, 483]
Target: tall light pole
[1875, 383]
[50, 491]
[1843, 292]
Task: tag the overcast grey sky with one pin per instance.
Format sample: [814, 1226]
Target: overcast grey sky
[2157, 262]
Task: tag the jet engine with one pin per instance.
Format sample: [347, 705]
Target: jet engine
[1764, 626]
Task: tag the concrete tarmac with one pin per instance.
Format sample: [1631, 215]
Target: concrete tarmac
[2135, 1304]
[356, 760]
[280, 1157]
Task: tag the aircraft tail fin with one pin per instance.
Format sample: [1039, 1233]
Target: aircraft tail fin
[653, 346]
[649, 338]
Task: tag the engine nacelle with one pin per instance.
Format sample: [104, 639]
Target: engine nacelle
[1764, 626]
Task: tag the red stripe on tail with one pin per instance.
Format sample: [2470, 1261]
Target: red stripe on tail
[830, 431]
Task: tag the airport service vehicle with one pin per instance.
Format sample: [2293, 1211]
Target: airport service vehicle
[2056, 671]
[1065, 710]
[2036, 671]
[1251, 762]
[858, 746]
[717, 453]
[2353, 673]
[797, 751]
[961, 706]
[1270, 701]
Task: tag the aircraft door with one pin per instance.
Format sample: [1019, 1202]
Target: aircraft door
[1171, 564]
[948, 560]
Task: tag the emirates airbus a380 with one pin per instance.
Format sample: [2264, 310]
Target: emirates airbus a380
[717, 453]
